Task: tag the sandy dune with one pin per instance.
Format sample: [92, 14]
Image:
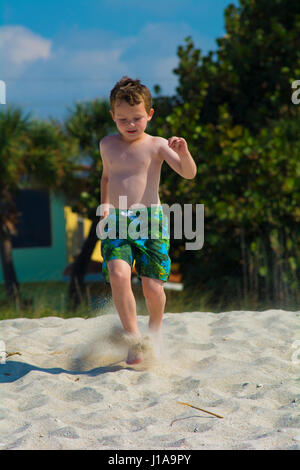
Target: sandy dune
[69, 387]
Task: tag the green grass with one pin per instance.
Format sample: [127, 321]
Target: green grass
[42, 299]
[50, 299]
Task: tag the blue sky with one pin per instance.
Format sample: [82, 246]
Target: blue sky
[56, 52]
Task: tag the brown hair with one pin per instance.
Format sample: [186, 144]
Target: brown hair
[132, 91]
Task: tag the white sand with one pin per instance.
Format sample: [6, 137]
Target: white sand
[71, 389]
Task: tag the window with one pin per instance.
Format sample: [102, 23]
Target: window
[34, 226]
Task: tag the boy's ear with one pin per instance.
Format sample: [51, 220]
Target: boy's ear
[150, 114]
[112, 114]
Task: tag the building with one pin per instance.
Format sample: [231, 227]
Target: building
[49, 236]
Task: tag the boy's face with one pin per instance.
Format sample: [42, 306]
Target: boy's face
[131, 121]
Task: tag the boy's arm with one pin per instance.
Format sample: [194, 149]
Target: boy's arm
[176, 153]
[104, 181]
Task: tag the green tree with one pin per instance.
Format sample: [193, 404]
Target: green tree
[32, 154]
[88, 122]
[13, 128]
[253, 68]
[234, 108]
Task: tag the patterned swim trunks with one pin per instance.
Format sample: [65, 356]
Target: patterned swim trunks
[140, 235]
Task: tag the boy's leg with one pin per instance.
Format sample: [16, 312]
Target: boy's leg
[123, 298]
[155, 298]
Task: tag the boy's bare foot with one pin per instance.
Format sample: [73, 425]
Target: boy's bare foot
[135, 350]
[134, 357]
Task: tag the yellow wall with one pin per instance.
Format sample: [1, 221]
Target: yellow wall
[71, 225]
[96, 255]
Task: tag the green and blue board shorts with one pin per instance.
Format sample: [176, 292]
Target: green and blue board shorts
[141, 235]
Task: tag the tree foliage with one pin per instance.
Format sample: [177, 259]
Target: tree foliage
[32, 154]
[88, 122]
[234, 108]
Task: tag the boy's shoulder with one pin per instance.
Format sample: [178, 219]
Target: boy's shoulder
[108, 139]
[159, 141]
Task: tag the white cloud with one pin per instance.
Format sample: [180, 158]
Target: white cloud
[85, 64]
[20, 46]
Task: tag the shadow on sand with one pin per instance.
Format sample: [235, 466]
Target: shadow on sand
[15, 370]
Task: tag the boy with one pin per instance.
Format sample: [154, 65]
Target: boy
[132, 163]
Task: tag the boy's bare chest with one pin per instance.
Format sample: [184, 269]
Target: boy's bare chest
[132, 158]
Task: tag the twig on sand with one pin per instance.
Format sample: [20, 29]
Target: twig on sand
[196, 408]
[13, 353]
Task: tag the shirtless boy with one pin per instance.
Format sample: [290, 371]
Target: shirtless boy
[132, 163]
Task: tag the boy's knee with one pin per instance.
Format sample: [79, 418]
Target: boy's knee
[153, 288]
[118, 275]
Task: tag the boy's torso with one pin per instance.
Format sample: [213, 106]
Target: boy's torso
[133, 170]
